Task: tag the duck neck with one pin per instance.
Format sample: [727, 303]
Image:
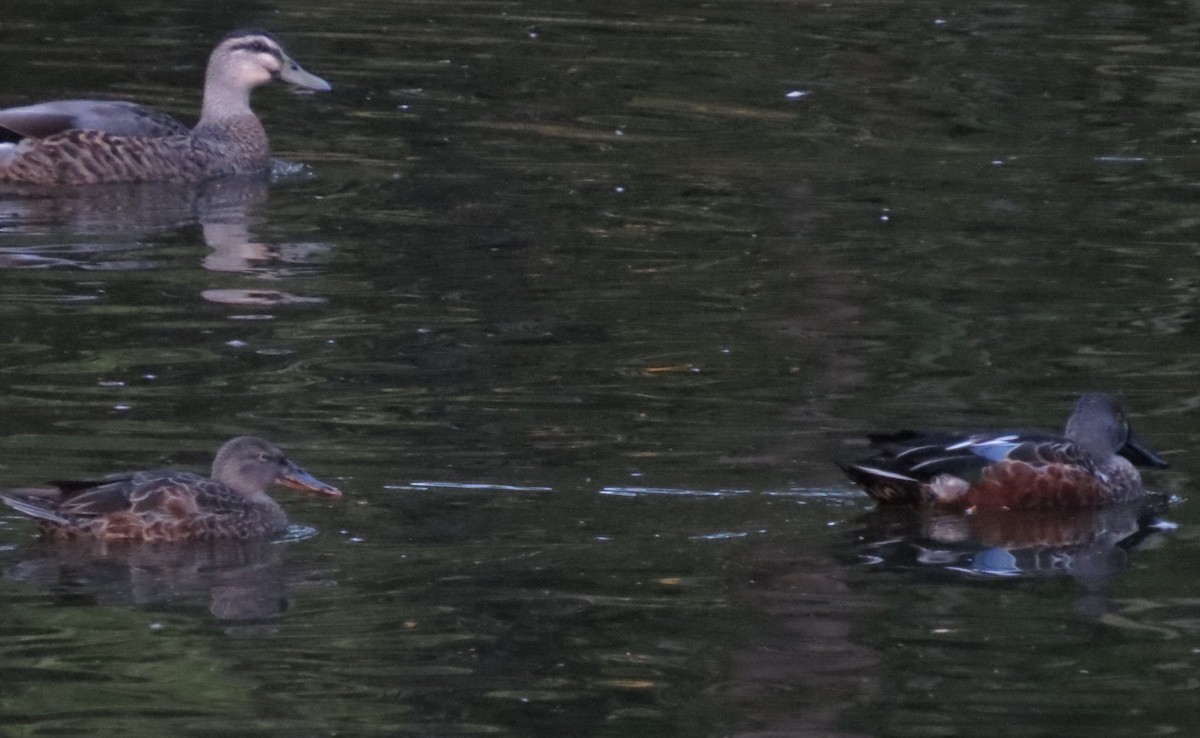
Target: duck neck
[225, 96]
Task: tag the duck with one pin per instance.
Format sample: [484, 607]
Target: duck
[81, 142]
[1092, 464]
[164, 506]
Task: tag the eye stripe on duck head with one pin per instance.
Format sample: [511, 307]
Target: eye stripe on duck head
[254, 41]
[258, 46]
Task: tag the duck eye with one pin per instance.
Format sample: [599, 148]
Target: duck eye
[264, 457]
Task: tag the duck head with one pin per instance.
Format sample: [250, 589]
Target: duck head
[250, 465]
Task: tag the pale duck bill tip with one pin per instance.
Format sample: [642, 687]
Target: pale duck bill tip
[293, 74]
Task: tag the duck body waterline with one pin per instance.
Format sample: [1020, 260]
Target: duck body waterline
[75, 142]
[1090, 465]
[156, 506]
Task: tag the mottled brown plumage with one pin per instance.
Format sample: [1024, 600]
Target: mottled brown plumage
[1091, 465]
[89, 141]
[171, 505]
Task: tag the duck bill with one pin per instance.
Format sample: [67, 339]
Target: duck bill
[296, 478]
[1140, 454]
[294, 75]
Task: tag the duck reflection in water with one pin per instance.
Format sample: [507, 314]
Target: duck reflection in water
[1090, 546]
[156, 536]
[119, 218]
[1011, 503]
[235, 581]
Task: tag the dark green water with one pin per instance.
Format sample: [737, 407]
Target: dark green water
[578, 302]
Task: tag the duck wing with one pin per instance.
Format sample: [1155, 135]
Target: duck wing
[916, 456]
[66, 502]
[1037, 453]
[147, 506]
[111, 117]
[156, 495]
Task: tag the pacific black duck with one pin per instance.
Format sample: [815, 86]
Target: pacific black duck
[70, 142]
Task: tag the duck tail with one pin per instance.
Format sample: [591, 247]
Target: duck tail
[32, 504]
[885, 486]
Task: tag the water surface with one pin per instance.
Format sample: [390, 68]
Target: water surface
[578, 303]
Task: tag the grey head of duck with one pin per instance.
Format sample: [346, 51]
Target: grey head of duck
[1098, 425]
[249, 466]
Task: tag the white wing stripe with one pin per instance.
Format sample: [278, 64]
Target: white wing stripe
[883, 473]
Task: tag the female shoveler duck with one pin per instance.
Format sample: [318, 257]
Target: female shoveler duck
[174, 506]
[1092, 465]
[93, 141]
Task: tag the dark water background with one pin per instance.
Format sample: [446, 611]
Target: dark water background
[578, 302]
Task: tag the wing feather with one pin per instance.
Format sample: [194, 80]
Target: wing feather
[111, 117]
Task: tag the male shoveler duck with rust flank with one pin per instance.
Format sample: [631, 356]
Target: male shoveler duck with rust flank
[1091, 465]
[156, 506]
